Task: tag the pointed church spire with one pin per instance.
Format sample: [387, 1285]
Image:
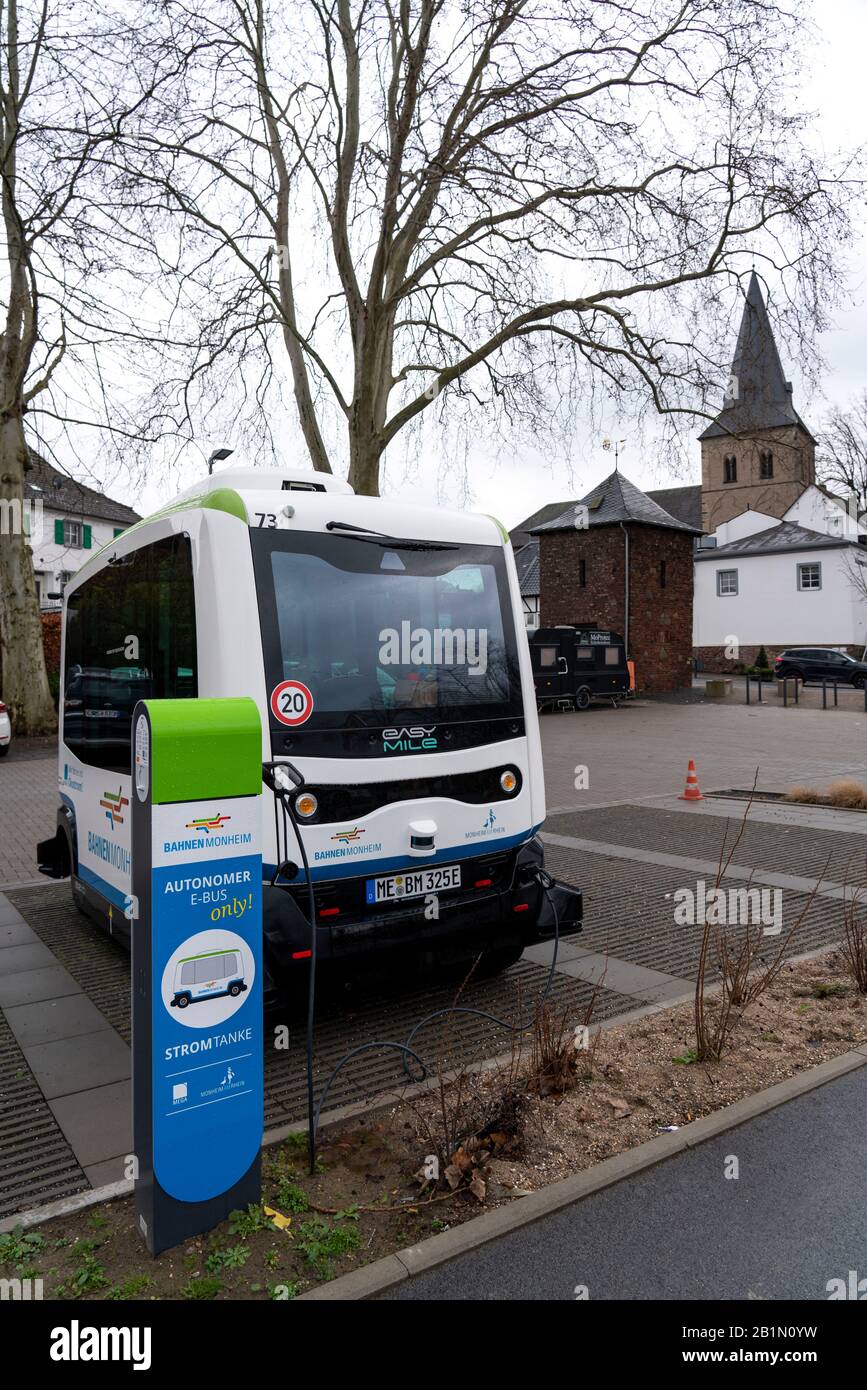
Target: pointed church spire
[757, 397]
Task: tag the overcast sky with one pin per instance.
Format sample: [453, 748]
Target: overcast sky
[489, 480]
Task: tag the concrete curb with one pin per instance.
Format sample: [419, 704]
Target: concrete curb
[384, 1274]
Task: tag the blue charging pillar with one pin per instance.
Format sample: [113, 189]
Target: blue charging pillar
[197, 1027]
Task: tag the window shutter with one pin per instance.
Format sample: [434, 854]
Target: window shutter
[58, 532]
[86, 537]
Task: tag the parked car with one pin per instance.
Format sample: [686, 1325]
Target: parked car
[820, 663]
[5, 730]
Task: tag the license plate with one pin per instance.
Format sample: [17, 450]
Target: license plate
[413, 885]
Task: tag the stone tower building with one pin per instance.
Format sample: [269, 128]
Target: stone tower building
[758, 454]
[618, 560]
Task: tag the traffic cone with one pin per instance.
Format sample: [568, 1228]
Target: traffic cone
[692, 791]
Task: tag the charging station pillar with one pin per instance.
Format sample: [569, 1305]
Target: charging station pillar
[196, 910]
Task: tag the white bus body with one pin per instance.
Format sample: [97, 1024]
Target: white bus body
[401, 627]
[207, 976]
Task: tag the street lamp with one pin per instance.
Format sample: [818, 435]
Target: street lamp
[217, 457]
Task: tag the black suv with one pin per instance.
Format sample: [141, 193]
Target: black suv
[820, 663]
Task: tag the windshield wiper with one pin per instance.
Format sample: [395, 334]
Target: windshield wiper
[360, 533]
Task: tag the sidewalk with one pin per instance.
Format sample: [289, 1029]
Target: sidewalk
[794, 1219]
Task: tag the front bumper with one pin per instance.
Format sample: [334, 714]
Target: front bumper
[506, 907]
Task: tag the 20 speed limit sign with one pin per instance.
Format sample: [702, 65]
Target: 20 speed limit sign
[291, 702]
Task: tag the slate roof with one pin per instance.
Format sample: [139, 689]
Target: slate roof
[616, 499]
[789, 535]
[683, 503]
[60, 493]
[520, 534]
[529, 570]
[759, 396]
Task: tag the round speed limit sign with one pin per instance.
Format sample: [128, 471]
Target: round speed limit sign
[291, 702]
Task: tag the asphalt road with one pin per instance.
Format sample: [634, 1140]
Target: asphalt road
[794, 1219]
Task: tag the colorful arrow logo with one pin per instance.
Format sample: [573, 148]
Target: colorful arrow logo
[207, 823]
[113, 806]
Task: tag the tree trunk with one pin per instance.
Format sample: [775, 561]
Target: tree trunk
[364, 455]
[22, 657]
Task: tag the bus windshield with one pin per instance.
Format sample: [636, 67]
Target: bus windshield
[375, 630]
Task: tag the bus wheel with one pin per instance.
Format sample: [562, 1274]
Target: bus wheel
[182, 1001]
[582, 698]
[235, 990]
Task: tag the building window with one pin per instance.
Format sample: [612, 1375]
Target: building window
[726, 583]
[766, 465]
[72, 534]
[809, 577]
[582, 573]
[730, 469]
[662, 574]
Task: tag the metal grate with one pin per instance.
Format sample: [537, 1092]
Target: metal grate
[36, 1163]
[101, 967]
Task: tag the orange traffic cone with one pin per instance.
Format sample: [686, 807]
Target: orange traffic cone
[692, 791]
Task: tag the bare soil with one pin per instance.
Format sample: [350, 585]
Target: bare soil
[370, 1196]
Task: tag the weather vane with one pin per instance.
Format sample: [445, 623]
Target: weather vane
[616, 445]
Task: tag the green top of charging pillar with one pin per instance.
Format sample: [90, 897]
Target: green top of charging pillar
[201, 749]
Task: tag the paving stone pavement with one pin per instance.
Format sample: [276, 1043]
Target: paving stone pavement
[28, 811]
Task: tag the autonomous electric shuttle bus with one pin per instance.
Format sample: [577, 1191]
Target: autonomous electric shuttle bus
[384, 646]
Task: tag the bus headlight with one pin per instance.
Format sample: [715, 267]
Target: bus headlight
[306, 805]
[508, 781]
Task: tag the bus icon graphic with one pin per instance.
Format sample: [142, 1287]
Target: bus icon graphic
[208, 976]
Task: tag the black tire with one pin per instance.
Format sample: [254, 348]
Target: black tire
[583, 697]
[183, 1001]
[858, 682]
[235, 990]
[5, 749]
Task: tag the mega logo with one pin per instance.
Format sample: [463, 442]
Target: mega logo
[416, 739]
[113, 806]
[207, 823]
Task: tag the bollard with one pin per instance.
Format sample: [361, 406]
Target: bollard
[824, 692]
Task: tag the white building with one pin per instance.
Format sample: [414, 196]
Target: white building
[798, 581]
[65, 522]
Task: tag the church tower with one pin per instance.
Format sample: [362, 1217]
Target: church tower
[757, 454]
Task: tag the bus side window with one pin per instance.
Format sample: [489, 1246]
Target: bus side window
[130, 635]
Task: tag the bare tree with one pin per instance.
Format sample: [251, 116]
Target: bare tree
[475, 207]
[67, 81]
[842, 455]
